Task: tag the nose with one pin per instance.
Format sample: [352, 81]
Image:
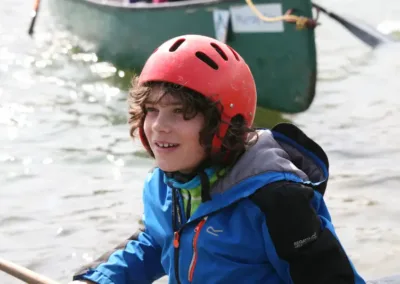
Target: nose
[162, 123]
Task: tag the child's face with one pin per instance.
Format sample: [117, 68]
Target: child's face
[173, 140]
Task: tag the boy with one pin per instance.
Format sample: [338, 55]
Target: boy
[226, 203]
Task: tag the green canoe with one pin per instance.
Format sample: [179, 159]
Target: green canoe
[281, 56]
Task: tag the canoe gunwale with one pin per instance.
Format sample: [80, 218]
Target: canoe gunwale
[160, 6]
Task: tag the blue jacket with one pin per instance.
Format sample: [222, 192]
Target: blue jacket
[266, 222]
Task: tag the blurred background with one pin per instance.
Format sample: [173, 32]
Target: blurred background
[71, 178]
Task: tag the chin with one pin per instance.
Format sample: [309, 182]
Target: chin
[169, 168]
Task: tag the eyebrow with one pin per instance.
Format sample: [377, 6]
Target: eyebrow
[169, 104]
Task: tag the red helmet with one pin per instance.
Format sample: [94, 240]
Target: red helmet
[209, 67]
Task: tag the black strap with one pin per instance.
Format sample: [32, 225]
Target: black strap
[189, 205]
[205, 187]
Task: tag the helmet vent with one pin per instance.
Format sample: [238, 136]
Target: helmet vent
[234, 53]
[220, 51]
[207, 60]
[176, 45]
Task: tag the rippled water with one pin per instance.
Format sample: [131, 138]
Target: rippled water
[71, 178]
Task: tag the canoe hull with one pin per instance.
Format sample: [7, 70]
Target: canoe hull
[282, 58]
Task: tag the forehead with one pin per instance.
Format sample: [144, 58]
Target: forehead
[158, 95]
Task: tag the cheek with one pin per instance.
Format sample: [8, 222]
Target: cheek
[147, 127]
[193, 135]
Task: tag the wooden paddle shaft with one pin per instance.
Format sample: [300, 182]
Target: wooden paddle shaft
[23, 273]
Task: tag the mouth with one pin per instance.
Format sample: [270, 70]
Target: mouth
[166, 145]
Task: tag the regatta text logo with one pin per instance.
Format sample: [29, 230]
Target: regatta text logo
[300, 243]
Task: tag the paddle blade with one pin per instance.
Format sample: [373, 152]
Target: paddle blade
[362, 31]
[34, 15]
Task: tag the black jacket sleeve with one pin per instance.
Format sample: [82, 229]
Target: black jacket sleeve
[315, 255]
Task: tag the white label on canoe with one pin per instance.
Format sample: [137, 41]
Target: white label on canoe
[221, 23]
[244, 20]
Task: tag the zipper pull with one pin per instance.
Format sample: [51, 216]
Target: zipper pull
[176, 239]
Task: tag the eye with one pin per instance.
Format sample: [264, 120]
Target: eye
[178, 110]
[149, 109]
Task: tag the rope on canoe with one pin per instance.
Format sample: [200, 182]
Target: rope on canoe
[300, 21]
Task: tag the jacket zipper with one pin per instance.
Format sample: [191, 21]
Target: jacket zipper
[176, 218]
[177, 214]
[176, 256]
[197, 230]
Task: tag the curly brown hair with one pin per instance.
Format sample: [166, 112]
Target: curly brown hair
[233, 144]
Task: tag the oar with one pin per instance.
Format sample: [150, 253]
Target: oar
[23, 273]
[365, 33]
[34, 15]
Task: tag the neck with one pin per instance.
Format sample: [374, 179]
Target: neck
[185, 181]
[181, 177]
